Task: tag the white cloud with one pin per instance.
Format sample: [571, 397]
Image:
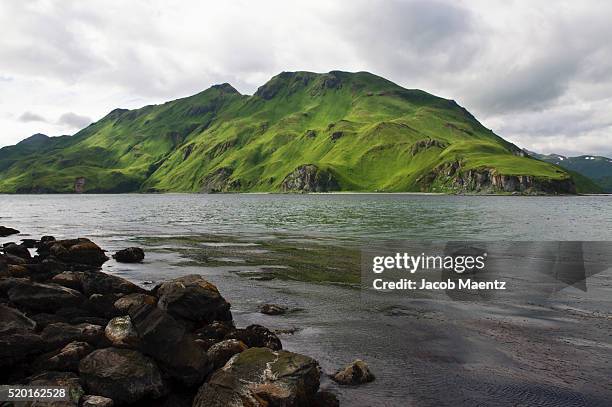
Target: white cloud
[538, 75]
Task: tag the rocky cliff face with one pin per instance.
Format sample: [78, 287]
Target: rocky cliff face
[486, 180]
[219, 181]
[309, 178]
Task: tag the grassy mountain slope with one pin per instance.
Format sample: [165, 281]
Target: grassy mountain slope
[596, 168]
[300, 131]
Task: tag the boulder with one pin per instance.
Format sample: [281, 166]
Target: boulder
[221, 352]
[103, 305]
[126, 302]
[166, 340]
[215, 330]
[66, 359]
[256, 336]
[130, 255]
[123, 375]
[43, 297]
[194, 299]
[29, 243]
[70, 279]
[17, 271]
[355, 373]
[326, 399]
[272, 309]
[96, 401]
[18, 250]
[97, 282]
[260, 377]
[79, 251]
[4, 231]
[18, 339]
[60, 334]
[121, 333]
[88, 320]
[63, 379]
[15, 260]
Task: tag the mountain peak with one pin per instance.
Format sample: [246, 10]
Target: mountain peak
[35, 138]
[225, 88]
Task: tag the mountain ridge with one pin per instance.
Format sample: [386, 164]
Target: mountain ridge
[594, 167]
[299, 132]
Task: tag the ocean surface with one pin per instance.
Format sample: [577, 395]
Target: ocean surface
[425, 351]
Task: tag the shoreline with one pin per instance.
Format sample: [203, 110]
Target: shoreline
[507, 194]
[67, 323]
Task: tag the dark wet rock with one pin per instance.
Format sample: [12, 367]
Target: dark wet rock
[103, 304]
[46, 240]
[256, 336]
[121, 333]
[29, 243]
[14, 260]
[96, 282]
[80, 251]
[126, 302]
[272, 309]
[96, 401]
[15, 271]
[43, 319]
[221, 352]
[4, 231]
[260, 377]
[18, 250]
[43, 297]
[88, 320]
[18, 339]
[215, 330]
[66, 359]
[70, 279]
[326, 399]
[194, 299]
[62, 379]
[73, 312]
[60, 334]
[356, 373]
[123, 375]
[309, 178]
[130, 255]
[6, 283]
[167, 341]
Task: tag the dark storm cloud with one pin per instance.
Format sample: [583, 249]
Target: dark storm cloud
[31, 117]
[410, 37]
[74, 120]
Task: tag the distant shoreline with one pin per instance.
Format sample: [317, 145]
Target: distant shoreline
[306, 193]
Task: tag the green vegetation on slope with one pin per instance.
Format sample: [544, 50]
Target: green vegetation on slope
[300, 131]
[596, 169]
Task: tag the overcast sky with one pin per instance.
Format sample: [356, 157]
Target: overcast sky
[539, 73]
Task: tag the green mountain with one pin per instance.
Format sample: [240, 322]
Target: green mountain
[596, 168]
[301, 131]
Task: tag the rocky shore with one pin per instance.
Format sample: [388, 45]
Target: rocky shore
[64, 322]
